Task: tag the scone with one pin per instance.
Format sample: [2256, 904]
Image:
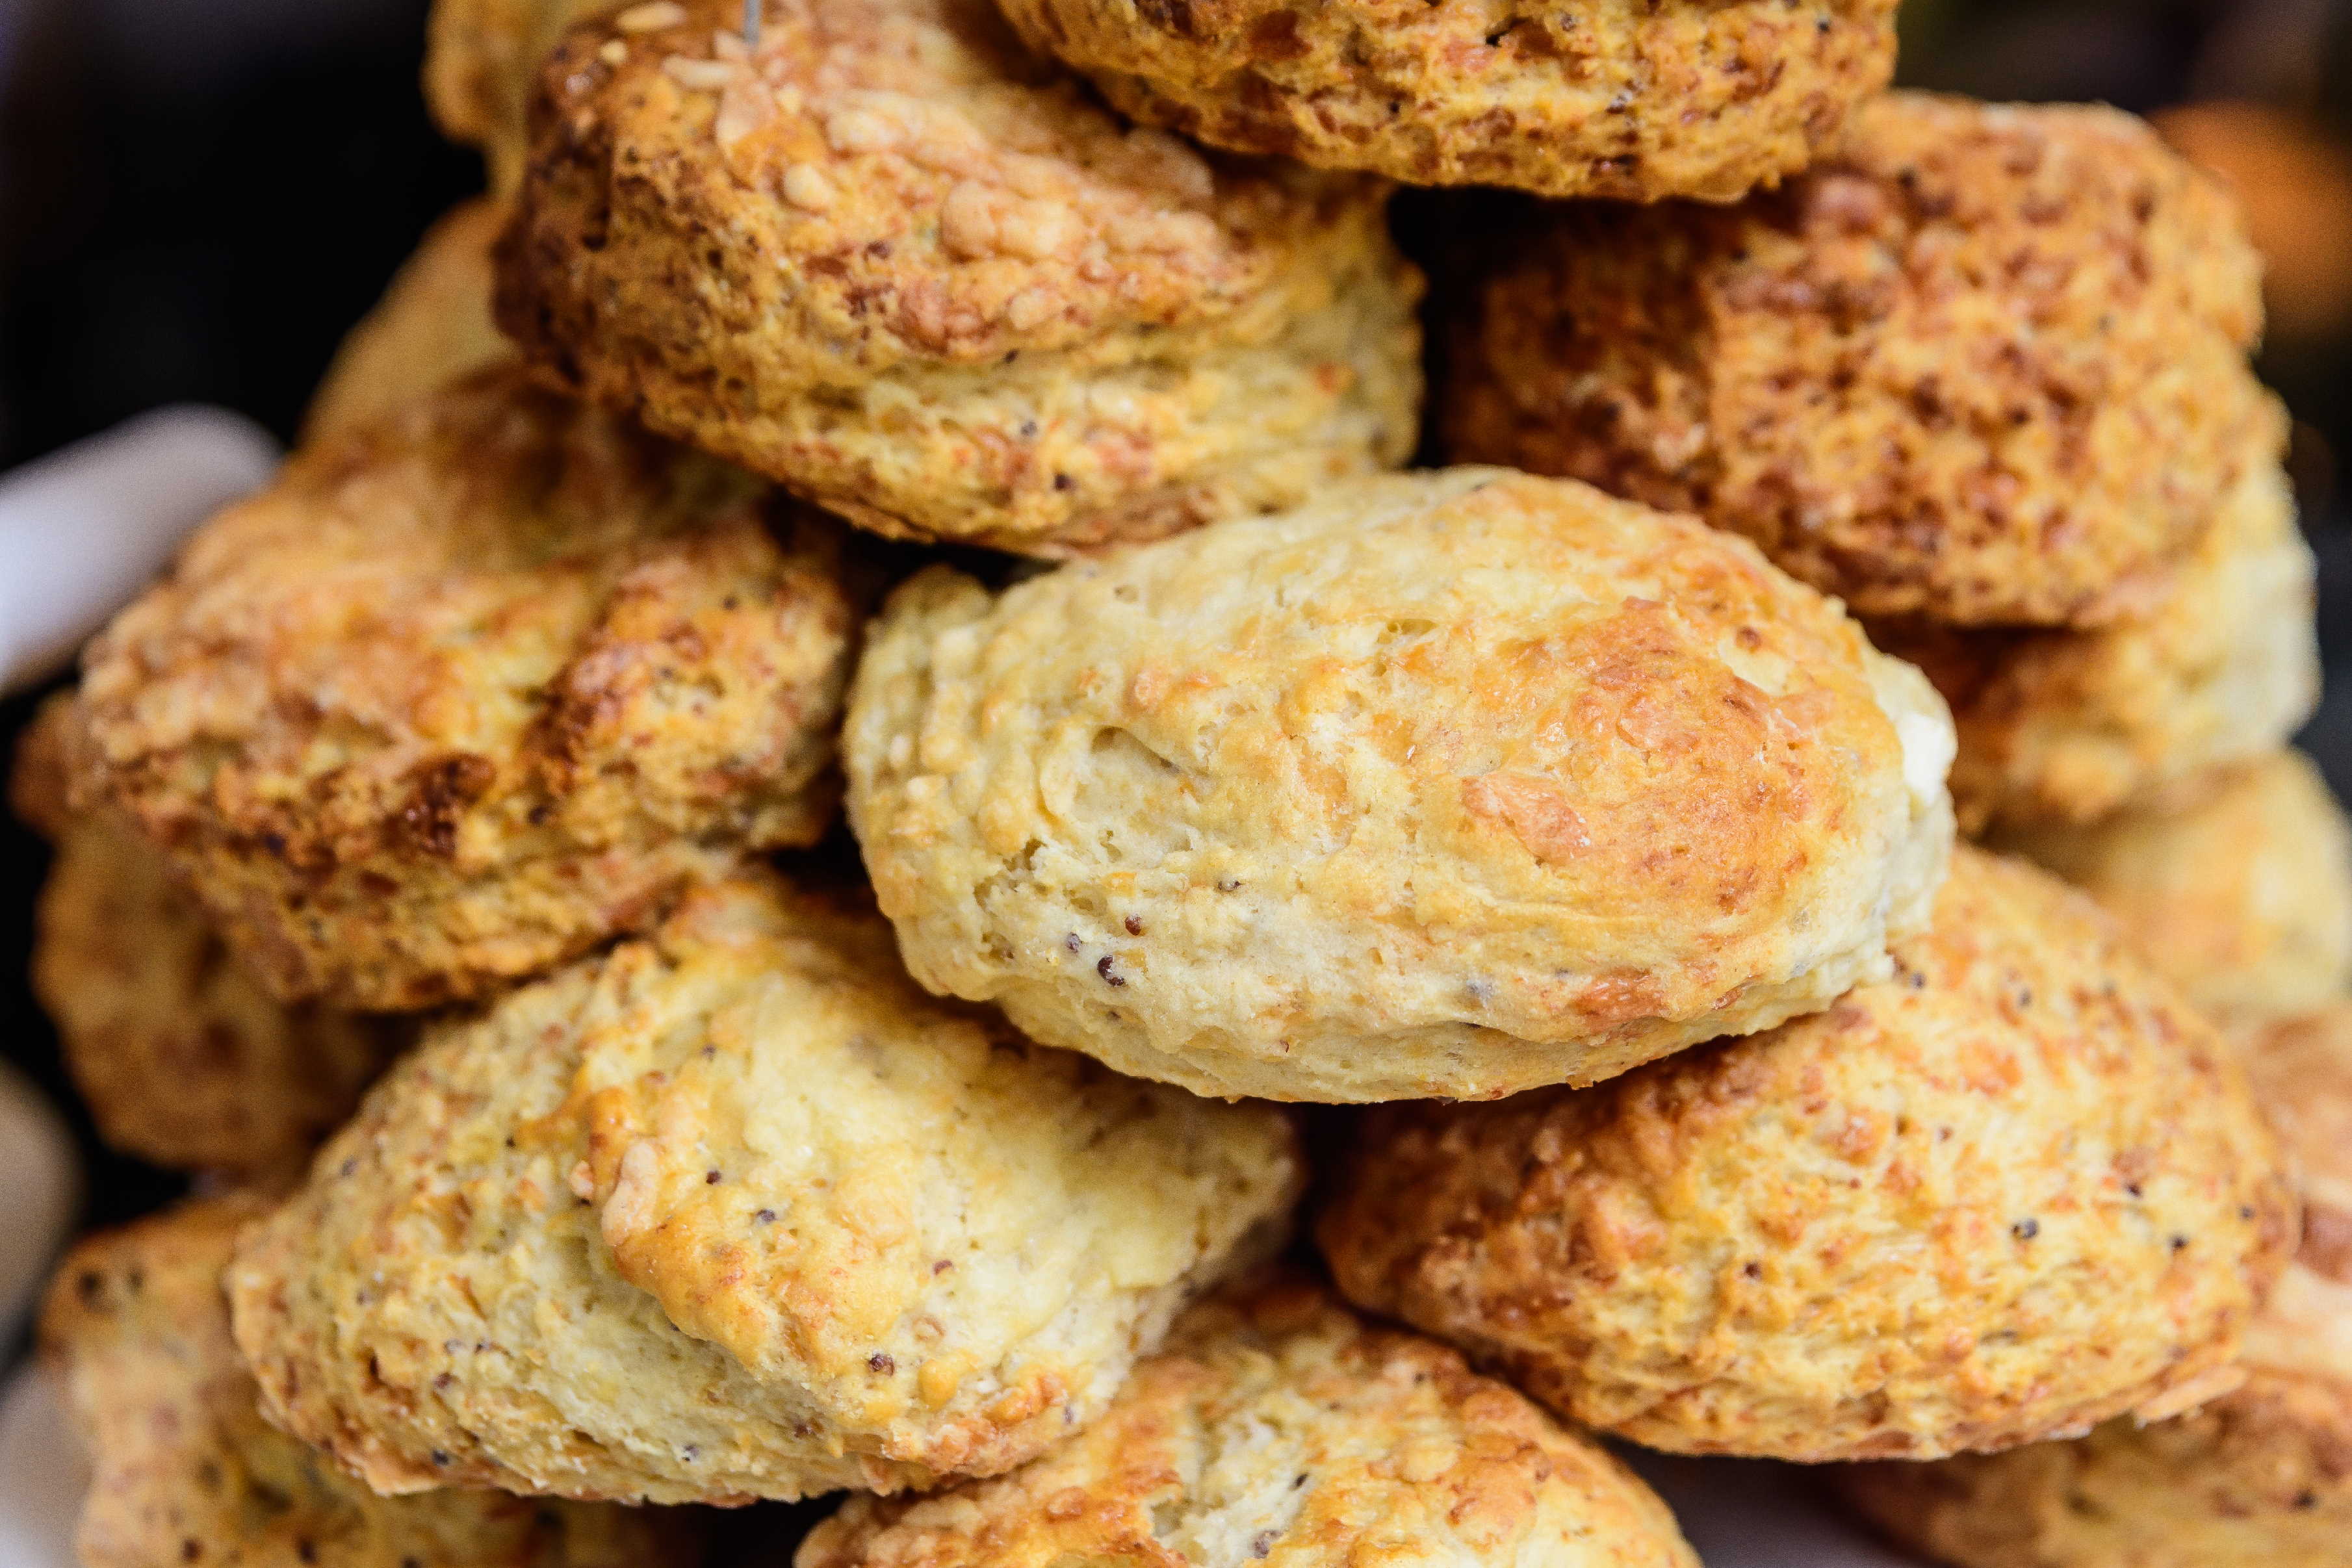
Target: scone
[184, 1059]
[1983, 364]
[1276, 1427]
[469, 690]
[2241, 892]
[922, 278]
[2261, 1476]
[1446, 784]
[733, 1212]
[185, 1470]
[2015, 1189]
[2063, 728]
[1629, 100]
[481, 62]
[431, 327]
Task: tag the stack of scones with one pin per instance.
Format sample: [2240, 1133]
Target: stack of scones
[734, 881]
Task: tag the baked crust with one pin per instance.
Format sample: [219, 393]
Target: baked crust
[921, 278]
[468, 692]
[1450, 783]
[1622, 99]
[2013, 1190]
[1278, 1427]
[1926, 376]
[735, 1211]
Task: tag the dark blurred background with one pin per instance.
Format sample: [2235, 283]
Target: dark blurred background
[198, 199]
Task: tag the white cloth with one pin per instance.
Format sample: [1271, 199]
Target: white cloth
[40, 1177]
[84, 530]
[42, 1474]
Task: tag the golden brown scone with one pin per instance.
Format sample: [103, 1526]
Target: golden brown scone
[2066, 728]
[2261, 1476]
[2017, 1189]
[1628, 98]
[470, 691]
[2240, 892]
[1447, 784]
[736, 1211]
[1278, 1427]
[187, 1471]
[184, 1059]
[432, 326]
[922, 278]
[1932, 376]
[481, 63]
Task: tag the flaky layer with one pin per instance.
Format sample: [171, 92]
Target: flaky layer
[2015, 1189]
[1448, 784]
[735, 1212]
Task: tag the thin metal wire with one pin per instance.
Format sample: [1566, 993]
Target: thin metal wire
[751, 9]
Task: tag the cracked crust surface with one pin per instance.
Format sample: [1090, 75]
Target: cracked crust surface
[187, 1471]
[920, 277]
[1448, 784]
[2014, 1189]
[184, 1059]
[431, 327]
[469, 690]
[2060, 727]
[1278, 1427]
[2241, 892]
[1623, 99]
[733, 1212]
[1925, 376]
[2261, 1475]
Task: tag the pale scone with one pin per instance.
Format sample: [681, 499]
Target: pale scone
[184, 1059]
[735, 1211]
[2241, 892]
[1276, 1427]
[431, 327]
[2261, 1476]
[185, 1471]
[481, 63]
[1446, 784]
[1629, 98]
[468, 691]
[1983, 364]
[923, 278]
[2017, 1189]
[2066, 728]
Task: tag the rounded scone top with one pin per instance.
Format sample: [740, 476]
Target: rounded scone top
[736, 1211]
[1278, 1427]
[1634, 101]
[2256, 1476]
[922, 277]
[2016, 1189]
[1448, 784]
[2064, 727]
[185, 1470]
[1926, 376]
[470, 690]
[2240, 894]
